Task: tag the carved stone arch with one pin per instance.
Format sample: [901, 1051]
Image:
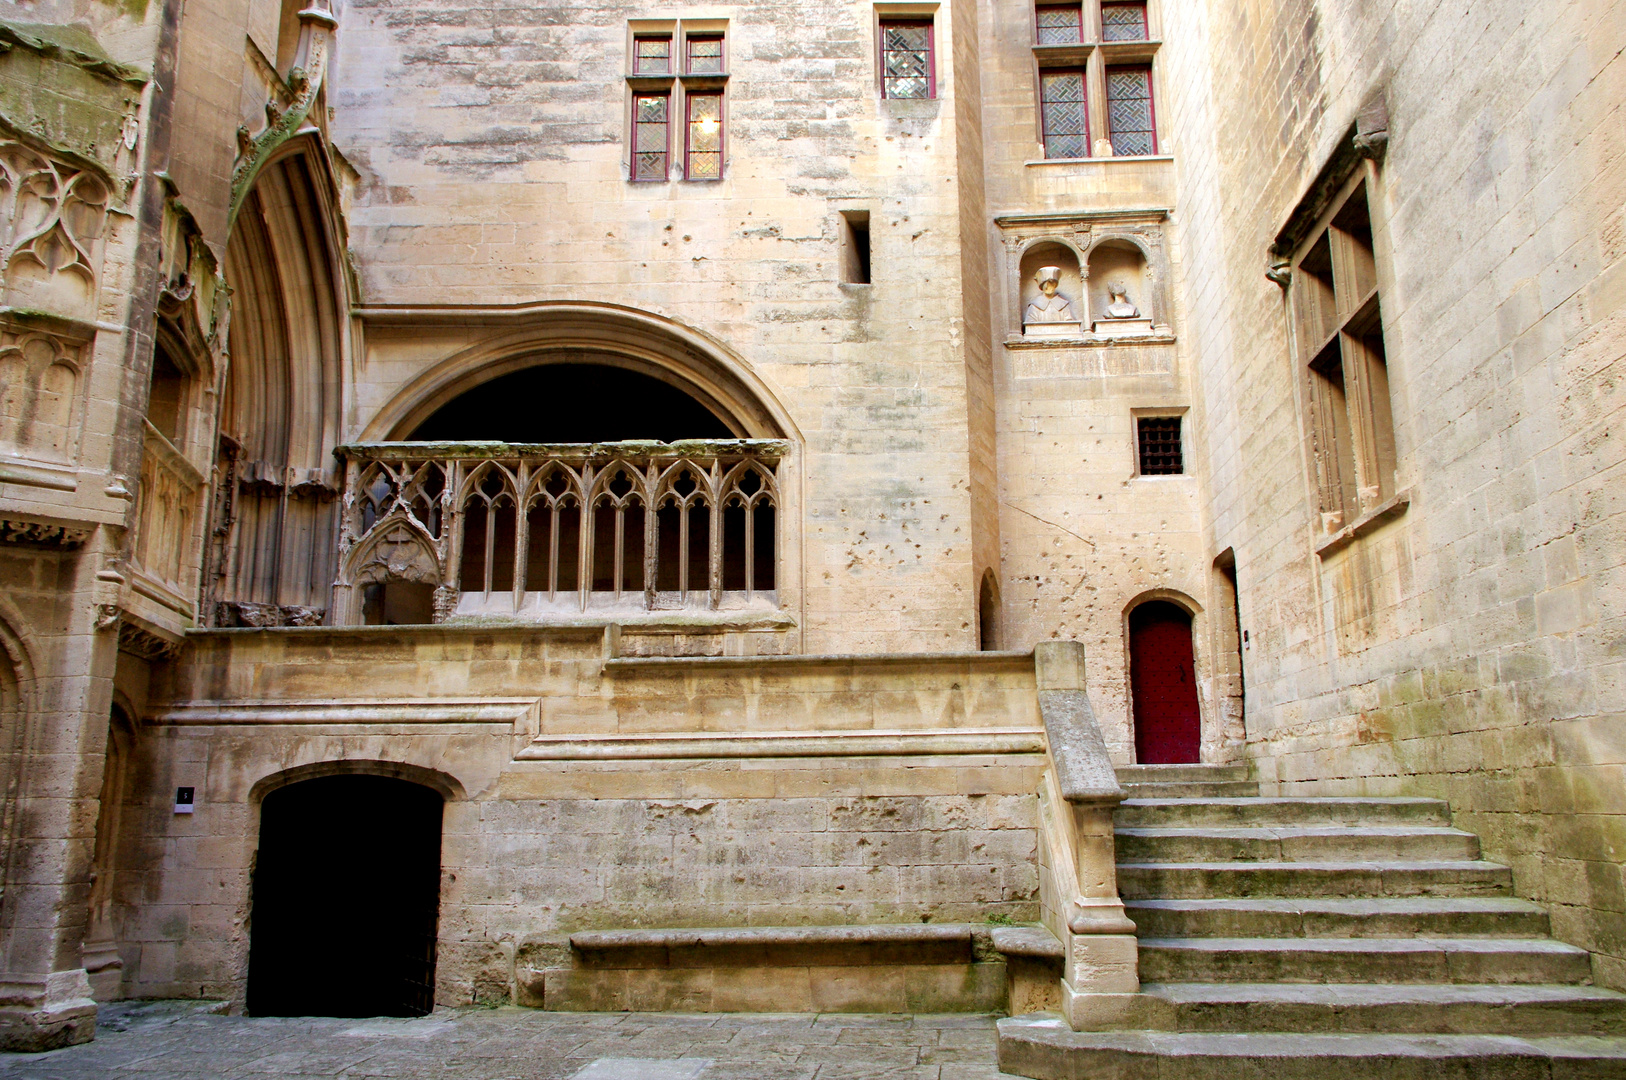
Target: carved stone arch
[1173, 596]
[397, 549]
[1154, 304]
[576, 332]
[450, 787]
[281, 412]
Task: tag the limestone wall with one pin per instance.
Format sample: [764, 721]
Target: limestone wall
[1469, 649]
[591, 793]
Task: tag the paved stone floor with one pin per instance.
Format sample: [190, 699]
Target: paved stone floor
[184, 1041]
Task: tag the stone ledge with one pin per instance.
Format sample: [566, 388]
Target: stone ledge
[751, 936]
[780, 744]
[1035, 941]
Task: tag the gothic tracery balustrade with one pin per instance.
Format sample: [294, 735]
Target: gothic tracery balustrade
[505, 529]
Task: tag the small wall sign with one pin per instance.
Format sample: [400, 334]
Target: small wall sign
[183, 800]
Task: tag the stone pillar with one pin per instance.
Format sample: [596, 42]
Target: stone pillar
[1100, 959]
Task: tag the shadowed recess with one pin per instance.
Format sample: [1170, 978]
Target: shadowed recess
[558, 403]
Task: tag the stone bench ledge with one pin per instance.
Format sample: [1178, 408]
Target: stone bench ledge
[1034, 941]
[748, 936]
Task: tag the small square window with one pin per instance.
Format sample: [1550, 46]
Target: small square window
[703, 145]
[1065, 118]
[1131, 117]
[1059, 24]
[1123, 22]
[652, 55]
[906, 59]
[705, 54]
[1159, 438]
[651, 136]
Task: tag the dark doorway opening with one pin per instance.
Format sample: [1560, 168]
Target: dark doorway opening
[346, 899]
[572, 403]
[1163, 685]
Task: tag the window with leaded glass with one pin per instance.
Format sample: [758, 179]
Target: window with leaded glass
[1159, 439]
[652, 55]
[703, 145]
[1060, 24]
[651, 136]
[705, 55]
[1131, 119]
[1062, 110]
[906, 59]
[1123, 22]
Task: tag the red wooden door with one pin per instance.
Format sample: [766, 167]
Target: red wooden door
[1163, 685]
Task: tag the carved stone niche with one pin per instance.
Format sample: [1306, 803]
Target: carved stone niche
[1053, 303]
[1094, 252]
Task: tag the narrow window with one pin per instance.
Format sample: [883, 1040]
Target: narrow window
[705, 55]
[1340, 326]
[703, 148]
[1123, 22]
[1061, 106]
[855, 247]
[1159, 438]
[907, 70]
[652, 56]
[164, 403]
[1131, 120]
[650, 136]
[1059, 24]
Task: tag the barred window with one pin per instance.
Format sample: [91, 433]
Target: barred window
[1061, 102]
[705, 55]
[703, 148]
[1123, 22]
[651, 138]
[1131, 118]
[906, 59]
[1060, 24]
[652, 56]
[1159, 438]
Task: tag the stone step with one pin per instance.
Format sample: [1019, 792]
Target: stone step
[1041, 1045]
[1411, 916]
[1141, 881]
[1192, 813]
[1190, 789]
[1295, 843]
[1363, 960]
[1142, 774]
[1446, 1009]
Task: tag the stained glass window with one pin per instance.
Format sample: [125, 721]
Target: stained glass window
[1066, 127]
[906, 60]
[1123, 22]
[706, 55]
[652, 56]
[705, 137]
[650, 140]
[1060, 24]
[1129, 111]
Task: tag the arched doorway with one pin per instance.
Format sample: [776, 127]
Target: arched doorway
[346, 899]
[1163, 685]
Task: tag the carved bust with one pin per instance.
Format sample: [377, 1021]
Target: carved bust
[1051, 307]
[1118, 305]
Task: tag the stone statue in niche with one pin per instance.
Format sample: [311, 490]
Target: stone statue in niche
[1121, 318]
[1051, 314]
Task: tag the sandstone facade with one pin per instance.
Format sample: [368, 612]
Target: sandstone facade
[784, 674]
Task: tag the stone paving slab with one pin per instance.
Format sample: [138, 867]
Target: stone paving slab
[185, 1040]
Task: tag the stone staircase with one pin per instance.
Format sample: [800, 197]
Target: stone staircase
[1313, 937]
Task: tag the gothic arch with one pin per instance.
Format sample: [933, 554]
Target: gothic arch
[280, 414]
[576, 332]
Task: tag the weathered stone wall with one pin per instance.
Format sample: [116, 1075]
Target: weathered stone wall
[1467, 650]
[583, 803]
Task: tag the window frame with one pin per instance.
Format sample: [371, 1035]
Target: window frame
[1343, 359]
[1151, 104]
[637, 39]
[1145, 20]
[1154, 416]
[689, 40]
[689, 98]
[666, 152]
[1082, 71]
[930, 23]
[1083, 28]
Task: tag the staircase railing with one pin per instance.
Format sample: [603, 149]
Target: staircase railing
[1078, 864]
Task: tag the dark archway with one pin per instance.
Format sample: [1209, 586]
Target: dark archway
[346, 899]
[572, 403]
[1163, 685]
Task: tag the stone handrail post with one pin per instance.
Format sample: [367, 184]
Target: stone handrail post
[1100, 966]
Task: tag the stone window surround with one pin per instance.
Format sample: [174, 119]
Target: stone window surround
[1082, 233]
[677, 84]
[887, 12]
[1095, 56]
[1136, 415]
